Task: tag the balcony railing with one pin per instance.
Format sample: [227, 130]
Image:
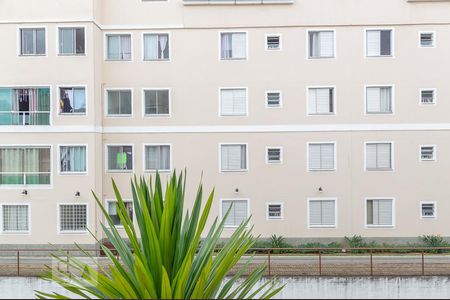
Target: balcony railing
[236, 2]
[24, 118]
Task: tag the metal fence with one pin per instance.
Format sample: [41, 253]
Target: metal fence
[279, 261]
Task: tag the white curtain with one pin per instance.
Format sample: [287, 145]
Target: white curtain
[385, 100]
[73, 159]
[125, 43]
[157, 158]
[163, 43]
[226, 46]
[234, 157]
[150, 46]
[239, 45]
[15, 218]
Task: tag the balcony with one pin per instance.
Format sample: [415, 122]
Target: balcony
[237, 2]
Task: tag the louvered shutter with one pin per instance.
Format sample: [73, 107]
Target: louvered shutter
[371, 156]
[328, 212]
[373, 40]
[326, 44]
[385, 212]
[233, 157]
[373, 99]
[384, 156]
[238, 45]
[314, 157]
[323, 101]
[229, 221]
[240, 211]
[239, 102]
[315, 218]
[226, 102]
[327, 156]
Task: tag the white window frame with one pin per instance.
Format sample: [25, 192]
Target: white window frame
[246, 45]
[109, 201]
[319, 143]
[392, 226]
[309, 199]
[266, 36]
[434, 153]
[392, 42]
[62, 173]
[144, 156]
[222, 213]
[74, 26]
[267, 92]
[120, 145]
[434, 95]
[392, 86]
[221, 115]
[143, 90]
[426, 217]
[234, 171]
[392, 158]
[107, 103]
[168, 43]
[19, 41]
[334, 43]
[334, 113]
[427, 32]
[34, 186]
[58, 93]
[281, 217]
[27, 232]
[279, 162]
[58, 220]
[105, 46]
[49, 86]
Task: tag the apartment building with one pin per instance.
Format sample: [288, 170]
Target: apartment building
[320, 119]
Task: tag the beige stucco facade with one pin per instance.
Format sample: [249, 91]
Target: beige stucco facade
[195, 129]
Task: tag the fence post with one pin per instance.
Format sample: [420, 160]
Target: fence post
[320, 262]
[371, 263]
[18, 263]
[423, 263]
[268, 258]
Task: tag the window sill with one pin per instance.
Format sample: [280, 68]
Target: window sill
[321, 226]
[119, 171]
[119, 116]
[233, 59]
[16, 232]
[72, 114]
[321, 57]
[157, 116]
[159, 171]
[380, 226]
[73, 232]
[318, 115]
[73, 173]
[275, 219]
[156, 60]
[321, 170]
[233, 171]
[380, 56]
[379, 170]
[115, 60]
[32, 55]
[72, 54]
[237, 2]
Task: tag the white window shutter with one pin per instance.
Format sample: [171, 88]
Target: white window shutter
[373, 99]
[239, 45]
[231, 216]
[385, 212]
[327, 156]
[373, 43]
[328, 213]
[226, 102]
[326, 42]
[371, 156]
[384, 156]
[233, 157]
[312, 101]
[323, 101]
[315, 217]
[314, 157]
[239, 102]
[241, 211]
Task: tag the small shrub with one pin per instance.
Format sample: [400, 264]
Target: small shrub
[434, 241]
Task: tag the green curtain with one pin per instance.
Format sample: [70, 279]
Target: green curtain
[5, 106]
[43, 105]
[11, 166]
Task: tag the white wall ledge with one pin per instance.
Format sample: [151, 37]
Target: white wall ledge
[237, 2]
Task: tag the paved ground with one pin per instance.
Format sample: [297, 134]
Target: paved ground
[287, 265]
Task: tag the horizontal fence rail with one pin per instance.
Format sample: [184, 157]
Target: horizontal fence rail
[395, 261]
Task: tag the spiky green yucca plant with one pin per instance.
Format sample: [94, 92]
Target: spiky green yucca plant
[165, 256]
